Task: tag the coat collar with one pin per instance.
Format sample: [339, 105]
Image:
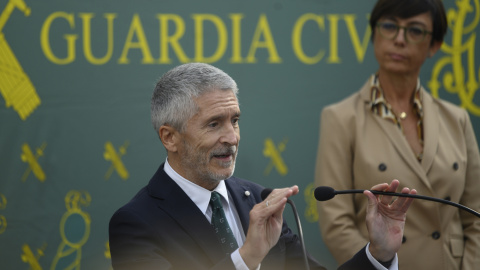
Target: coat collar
[396, 137]
[243, 199]
[431, 127]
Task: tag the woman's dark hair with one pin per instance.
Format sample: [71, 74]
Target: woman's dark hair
[409, 8]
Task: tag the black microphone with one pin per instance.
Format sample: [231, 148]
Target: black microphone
[264, 195]
[324, 193]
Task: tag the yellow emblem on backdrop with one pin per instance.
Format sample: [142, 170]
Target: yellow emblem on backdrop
[115, 157]
[74, 230]
[461, 79]
[273, 152]
[3, 220]
[28, 157]
[311, 213]
[15, 85]
[107, 252]
[30, 258]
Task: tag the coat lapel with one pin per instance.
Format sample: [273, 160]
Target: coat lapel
[431, 130]
[171, 199]
[243, 203]
[398, 140]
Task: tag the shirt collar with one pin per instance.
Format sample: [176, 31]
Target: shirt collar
[199, 195]
[377, 97]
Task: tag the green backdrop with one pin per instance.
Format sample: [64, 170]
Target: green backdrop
[76, 78]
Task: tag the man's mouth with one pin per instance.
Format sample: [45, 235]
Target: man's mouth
[224, 153]
[222, 156]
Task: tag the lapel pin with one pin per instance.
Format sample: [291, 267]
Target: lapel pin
[247, 193]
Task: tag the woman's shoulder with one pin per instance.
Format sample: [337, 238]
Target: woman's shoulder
[445, 106]
[351, 103]
[446, 110]
[348, 107]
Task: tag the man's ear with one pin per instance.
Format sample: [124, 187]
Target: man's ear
[169, 137]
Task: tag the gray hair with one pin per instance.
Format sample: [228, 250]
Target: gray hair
[173, 97]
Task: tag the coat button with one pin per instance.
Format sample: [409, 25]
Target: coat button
[404, 239]
[436, 235]
[455, 166]
[382, 167]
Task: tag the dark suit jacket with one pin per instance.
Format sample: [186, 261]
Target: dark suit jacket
[161, 228]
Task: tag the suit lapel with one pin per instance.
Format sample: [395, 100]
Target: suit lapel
[431, 130]
[398, 140]
[400, 143]
[171, 199]
[243, 203]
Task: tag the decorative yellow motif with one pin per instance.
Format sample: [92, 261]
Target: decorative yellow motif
[28, 157]
[3, 220]
[273, 153]
[117, 164]
[311, 213]
[74, 230]
[461, 80]
[31, 259]
[15, 85]
[107, 252]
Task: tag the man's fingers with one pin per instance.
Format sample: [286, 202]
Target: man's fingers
[275, 202]
[403, 203]
[278, 194]
[380, 187]
[372, 199]
[385, 199]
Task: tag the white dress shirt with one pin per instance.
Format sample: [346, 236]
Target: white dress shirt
[201, 197]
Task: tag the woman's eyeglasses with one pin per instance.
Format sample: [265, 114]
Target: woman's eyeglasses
[412, 34]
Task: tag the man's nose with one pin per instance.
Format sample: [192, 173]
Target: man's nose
[231, 135]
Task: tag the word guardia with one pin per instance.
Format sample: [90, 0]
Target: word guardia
[171, 34]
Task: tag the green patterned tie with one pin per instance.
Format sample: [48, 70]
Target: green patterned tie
[220, 224]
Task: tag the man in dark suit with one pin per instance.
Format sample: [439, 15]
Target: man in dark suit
[194, 214]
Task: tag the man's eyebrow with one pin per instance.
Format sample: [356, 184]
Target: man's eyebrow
[214, 118]
[221, 116]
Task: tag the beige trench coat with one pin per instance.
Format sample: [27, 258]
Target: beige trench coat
[358, 150]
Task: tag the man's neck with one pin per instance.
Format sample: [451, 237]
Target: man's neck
[209, 184]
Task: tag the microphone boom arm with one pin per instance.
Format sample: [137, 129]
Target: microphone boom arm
[471, 211]
[300, 233]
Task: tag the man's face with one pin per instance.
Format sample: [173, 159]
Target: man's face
[209, 145]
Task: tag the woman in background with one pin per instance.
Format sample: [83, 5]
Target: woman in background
[392, 128]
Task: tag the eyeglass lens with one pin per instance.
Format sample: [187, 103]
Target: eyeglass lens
[412, 34]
